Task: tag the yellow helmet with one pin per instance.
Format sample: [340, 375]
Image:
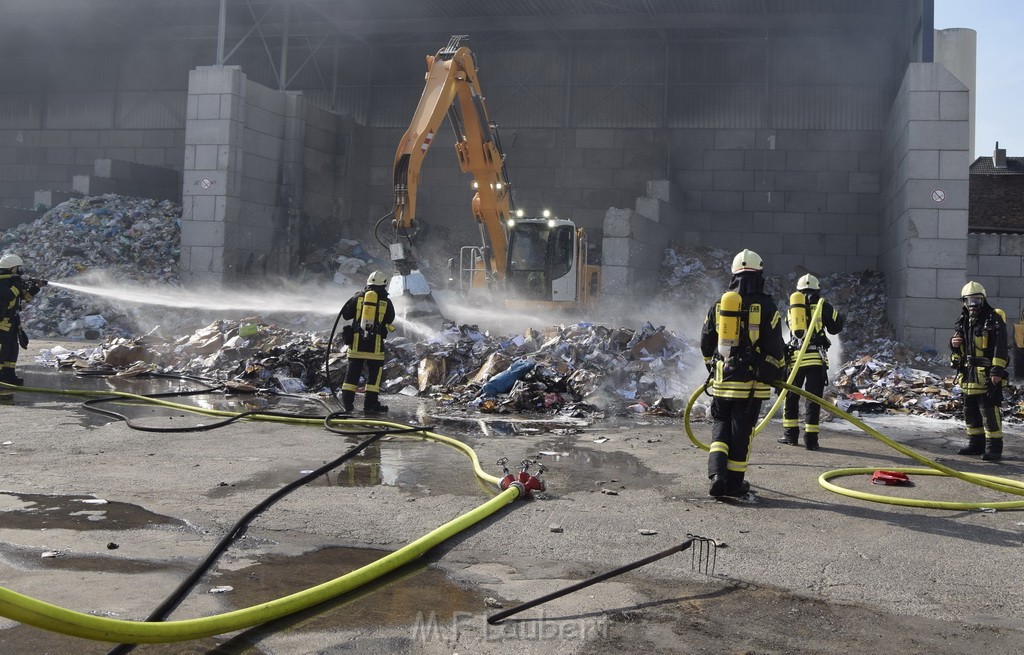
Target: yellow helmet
[972, 289]
[745, 261]
[807, 282]
[377, 279]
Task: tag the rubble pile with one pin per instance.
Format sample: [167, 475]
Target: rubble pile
[870, 386]
[130, 239]
[580, 370]
[346, 263]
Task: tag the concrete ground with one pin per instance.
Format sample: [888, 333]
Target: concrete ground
[803, 570]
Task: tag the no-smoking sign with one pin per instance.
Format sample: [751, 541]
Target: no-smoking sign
[938, 195]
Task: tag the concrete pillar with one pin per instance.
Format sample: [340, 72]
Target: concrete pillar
[923, 222]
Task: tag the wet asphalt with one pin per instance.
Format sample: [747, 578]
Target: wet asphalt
[106, 519]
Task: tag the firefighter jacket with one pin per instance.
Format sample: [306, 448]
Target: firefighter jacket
[368, 342]
[759, 359]
[817, 350]
[983, 352]
[14, 292]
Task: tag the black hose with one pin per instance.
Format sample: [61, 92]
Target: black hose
[327, 355]
[91, 405]
[499, 616]
[238, 530]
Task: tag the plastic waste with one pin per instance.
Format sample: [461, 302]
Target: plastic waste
[504, 381]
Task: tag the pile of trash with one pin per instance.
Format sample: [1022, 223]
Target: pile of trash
[129, 239]
[346, 263]
[111, 241]
[868, 386]
[578, 370]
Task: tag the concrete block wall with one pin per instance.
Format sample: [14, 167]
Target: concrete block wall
[260, 169]
[40, 156]
[924, 200]
[15, 216]
[798, 197]
[575, 173]
[996, 261]
[634, 242]
[129, 179]
[212, 177]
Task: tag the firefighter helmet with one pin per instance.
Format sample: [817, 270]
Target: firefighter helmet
[10, 260]
[377, 279]
[972, 289]
[807, 282]
[746, 261]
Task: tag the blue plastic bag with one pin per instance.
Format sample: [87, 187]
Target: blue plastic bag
[505, 380]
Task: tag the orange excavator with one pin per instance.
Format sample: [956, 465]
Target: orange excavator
[537, 262]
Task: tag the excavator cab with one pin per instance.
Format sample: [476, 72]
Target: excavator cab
[542, 260]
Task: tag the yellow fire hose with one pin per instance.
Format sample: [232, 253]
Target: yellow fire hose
[995, 483]
[47, 616]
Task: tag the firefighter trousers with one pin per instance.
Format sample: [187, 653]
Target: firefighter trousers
[9, 348]
[983, 417]
[812, 379]
[730, 435]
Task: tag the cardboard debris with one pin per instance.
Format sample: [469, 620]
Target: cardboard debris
[581, 369]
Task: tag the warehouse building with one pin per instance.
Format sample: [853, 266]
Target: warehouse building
[825, 135]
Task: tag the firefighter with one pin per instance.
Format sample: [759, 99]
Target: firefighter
[371, 317]
[744, 353]
[812, 374]
[978, 353]
[15, 291]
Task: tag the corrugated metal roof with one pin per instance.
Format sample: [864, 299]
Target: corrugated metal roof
[418, 21]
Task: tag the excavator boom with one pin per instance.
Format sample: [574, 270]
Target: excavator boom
[537, 262]
[453, 89]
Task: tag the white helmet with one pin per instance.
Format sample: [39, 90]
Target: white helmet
[377, 279]
[10, 260]
[972, 289]
[807, 282]
[745, 261]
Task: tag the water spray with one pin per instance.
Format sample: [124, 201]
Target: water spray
[295, 301]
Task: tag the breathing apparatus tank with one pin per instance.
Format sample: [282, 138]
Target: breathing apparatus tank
[797, 316]
[369, 316]
[728, 320]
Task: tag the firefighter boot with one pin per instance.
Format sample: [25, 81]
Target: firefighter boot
[348, 399]
[7, 375]
[372, 404]
[718, 474]
[811, 440]
[789, 436]
[993, 450]
[736, 486]
[975, 446]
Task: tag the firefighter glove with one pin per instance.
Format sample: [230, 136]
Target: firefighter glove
[995, 394]
[22, 338]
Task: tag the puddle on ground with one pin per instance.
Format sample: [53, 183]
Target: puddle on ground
[571, 468]
[415, 592]
[418, 466]
[29, 558]
[140, 412]
[37, 511]
[501, 425]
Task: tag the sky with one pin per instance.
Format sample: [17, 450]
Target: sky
[999, 110]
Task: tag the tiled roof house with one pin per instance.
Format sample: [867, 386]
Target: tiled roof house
[997, 194]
